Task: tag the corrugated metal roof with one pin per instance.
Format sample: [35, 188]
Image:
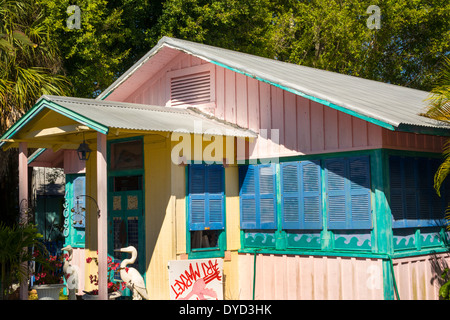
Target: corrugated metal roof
[133, 116]
[384, 104]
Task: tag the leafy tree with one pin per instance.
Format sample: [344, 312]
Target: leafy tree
[439, 109]
[333, 35]
[92, 53]
[242, 25]
[29, 62]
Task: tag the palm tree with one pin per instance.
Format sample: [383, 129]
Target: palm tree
[439, 109]
[29, 67]
[29, 62]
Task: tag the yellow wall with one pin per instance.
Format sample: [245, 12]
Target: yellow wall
[165, 217]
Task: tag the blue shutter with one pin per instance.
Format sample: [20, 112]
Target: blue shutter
[410, 188]
[258, 196]
[360, 202]
[311, 195]
[247, 194]
[267, 197]
[215, 197]
[290, 195]
[396, 192]
[197, 197]
[349, 195]
[336, 189]
[206, 197]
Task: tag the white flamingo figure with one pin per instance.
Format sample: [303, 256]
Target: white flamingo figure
[71, 273]
[131, 276]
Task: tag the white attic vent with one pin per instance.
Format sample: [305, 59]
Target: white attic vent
[191, 86]
[190, 89]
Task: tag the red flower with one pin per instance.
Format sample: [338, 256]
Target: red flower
[88, 260]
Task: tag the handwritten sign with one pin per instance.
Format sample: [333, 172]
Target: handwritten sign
[199, 279]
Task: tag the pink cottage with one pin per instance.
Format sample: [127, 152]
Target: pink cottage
[306, 184]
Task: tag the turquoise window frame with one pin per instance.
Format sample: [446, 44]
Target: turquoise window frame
[203, 253]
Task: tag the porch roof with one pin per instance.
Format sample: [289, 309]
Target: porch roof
[101, 116]
[390, 106]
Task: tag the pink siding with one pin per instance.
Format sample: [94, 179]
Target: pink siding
[304, 126]
[290, 277]
[419, 278]
[79, 260]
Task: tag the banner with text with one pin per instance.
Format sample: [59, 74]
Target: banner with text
[199, 279]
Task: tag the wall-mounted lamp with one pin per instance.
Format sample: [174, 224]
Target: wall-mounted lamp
[83, 151]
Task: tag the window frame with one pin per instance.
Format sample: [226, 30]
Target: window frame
[211, 252]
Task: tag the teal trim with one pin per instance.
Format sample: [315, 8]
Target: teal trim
[74, 236]
[321, 101]
[217, 252]
[36, 154]
[30, 114]
[140, 213]
[38, 107]
[77, 117]
[106, 95]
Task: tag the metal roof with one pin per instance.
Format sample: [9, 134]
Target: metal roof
[387, 105]
[124, 115]
[103, 115]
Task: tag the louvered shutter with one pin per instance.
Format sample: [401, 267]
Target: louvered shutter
[258, 196]
[267, 197]
[349, 196]
[197, 197]
[215, 197]
[336, 189]
[301, 195]
[311, 195]
[290, 195]
[396, 190]
[247, 194]
[206, 197]
[359, 176]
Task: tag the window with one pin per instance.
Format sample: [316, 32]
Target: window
[206, 197]
[258, 196]
[348, 193]
[413, 200]
[301, 190]
[126, 155]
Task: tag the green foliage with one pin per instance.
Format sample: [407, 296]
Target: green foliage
[91, 54]
[29, 63]
[241, 25]
[444, 290]
[14, 251]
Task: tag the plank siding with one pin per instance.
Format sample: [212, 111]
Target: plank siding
[288, 124]
[293, 277]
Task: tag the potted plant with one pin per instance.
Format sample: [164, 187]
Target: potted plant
[114, 287]
[49, 276]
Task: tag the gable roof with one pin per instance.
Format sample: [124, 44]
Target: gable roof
[102, 115]
[391, 106]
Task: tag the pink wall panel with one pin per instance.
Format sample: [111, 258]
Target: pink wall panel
[419, 278]
[293, 277]
[295, 125]
[79, 260]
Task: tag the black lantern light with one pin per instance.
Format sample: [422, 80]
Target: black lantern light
[84, 151]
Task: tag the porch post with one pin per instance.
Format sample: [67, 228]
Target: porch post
[102, 219]
[23, 205]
